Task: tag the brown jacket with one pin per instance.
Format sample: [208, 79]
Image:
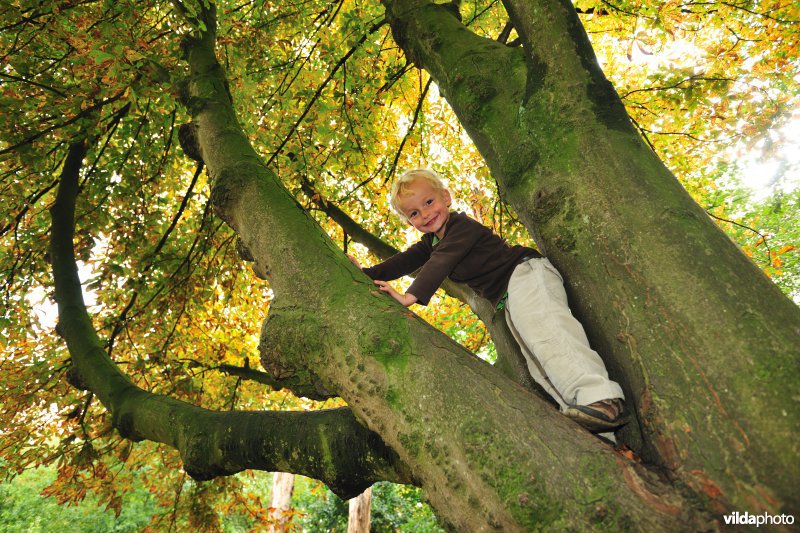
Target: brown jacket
[468, 253]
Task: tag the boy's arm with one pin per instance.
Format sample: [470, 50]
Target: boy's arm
[405, 299]
[395, 267]
[400, 264]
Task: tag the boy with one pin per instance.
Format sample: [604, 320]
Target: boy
[531, 289]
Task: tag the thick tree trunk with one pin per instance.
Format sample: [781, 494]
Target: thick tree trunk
[489, 454]
[705, 345]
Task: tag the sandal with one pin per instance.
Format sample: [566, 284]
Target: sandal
[596, 419]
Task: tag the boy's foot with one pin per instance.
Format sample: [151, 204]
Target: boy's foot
[599, 416]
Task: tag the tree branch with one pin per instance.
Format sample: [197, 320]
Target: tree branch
[297, 386]
[675, 85]
[328, 445]
[31, 82]
[356, 232]
[743, 226]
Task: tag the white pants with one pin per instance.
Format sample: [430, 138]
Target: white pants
[553, 341]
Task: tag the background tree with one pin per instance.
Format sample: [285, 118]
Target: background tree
[166, 273]
[280, 505]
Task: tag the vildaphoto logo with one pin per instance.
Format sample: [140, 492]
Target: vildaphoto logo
[741, 519]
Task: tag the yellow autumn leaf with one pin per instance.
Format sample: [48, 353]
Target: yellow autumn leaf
[132, 55]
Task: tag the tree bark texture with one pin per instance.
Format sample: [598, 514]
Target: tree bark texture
[704, 344]
[489, 454]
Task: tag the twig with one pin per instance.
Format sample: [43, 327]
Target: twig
[763, 237]
[420, 103]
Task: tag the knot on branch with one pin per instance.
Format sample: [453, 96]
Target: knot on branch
[244, 251]
[228, 186]
[196, 464]
[194, 104]
[291, 337]
[187, 136]
[548, 203]
[276, 369]
[290, 344]
[260, 270]
[182, 91]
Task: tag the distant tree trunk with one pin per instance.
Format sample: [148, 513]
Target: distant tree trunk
[358, 519]
[282, 489]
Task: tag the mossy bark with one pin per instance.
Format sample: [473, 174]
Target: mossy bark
[704, 344]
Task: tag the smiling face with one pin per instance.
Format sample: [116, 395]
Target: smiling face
[425, 207]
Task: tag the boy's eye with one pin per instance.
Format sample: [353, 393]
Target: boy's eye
[412, 214]
[429, 202]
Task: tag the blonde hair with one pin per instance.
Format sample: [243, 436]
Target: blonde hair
[401, 185]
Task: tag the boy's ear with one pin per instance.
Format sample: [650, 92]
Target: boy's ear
[447, 199]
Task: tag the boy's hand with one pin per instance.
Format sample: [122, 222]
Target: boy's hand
[405, 299]
[354, 261]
